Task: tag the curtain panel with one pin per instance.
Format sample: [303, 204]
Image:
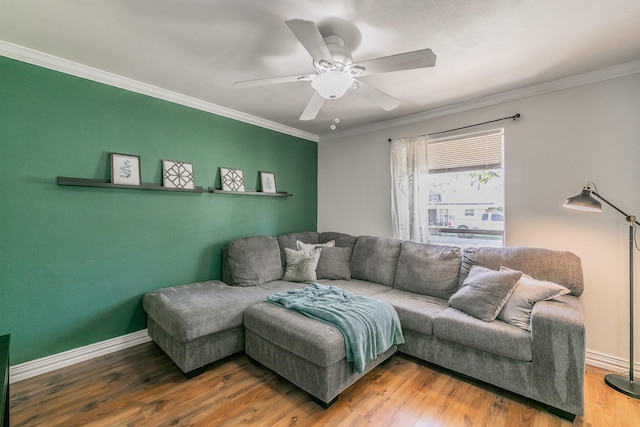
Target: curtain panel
[409, 192]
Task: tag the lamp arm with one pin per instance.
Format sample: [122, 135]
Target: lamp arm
[630, 218]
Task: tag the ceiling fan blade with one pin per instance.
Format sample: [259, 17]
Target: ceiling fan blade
[403, 61]
[309, 35]
[378, 97]
[275, 80]
[313, 107]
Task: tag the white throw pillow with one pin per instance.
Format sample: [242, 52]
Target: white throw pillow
[308, 247]
[528, 291]
[301, 266]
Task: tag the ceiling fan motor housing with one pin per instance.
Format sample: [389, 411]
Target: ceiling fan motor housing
[341, 56]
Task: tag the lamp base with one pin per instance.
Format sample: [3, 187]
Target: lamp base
[623, 385]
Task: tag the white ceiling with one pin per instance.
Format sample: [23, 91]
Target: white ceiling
[198, 48]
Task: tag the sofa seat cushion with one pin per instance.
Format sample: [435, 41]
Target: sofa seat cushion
[195, 310]
[375, 259]
[416, 312]
[312, 340]
[495, 337]
[358, 287]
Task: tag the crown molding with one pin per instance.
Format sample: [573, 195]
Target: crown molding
[45, 60]
[487, 101]
[51, 62]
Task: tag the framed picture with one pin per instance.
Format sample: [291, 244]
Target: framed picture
[231, 179]
[125, 169]
[268, 182]
[177, 174]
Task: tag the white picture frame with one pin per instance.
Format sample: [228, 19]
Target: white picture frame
[176, 174]
[125, 169]
[232, 179]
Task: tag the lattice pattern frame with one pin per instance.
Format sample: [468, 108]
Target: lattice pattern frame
[177, 175]
[232, 179]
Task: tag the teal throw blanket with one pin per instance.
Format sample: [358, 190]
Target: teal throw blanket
[369, 326]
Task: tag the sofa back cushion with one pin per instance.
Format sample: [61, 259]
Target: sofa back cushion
[428, 269]
[254, 260]
[375, 259]
[341, 240]
[561, 267]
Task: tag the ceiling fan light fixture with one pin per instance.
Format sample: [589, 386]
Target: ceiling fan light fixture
[332, 84]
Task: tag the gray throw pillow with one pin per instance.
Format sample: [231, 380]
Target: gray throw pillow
[301, 266]
[484, 292]
[528, 291]
[334, 264]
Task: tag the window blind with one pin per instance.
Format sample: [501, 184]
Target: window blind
[470, 152]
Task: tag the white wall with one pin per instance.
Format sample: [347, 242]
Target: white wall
[563, 140]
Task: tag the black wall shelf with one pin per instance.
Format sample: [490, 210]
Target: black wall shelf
[85, 182]
[250, 192]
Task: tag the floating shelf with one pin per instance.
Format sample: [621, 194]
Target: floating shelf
[250, 192]
[85, 182]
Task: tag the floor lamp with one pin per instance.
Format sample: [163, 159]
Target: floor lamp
[585, 202]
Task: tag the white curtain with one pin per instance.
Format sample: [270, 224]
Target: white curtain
[409, 193]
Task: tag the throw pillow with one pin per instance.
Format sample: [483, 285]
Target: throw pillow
[334, 264]
[528, 291]
[301, 266]
[308, 247]
[484, 292]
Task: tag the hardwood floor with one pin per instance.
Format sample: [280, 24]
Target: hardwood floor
[140, 386]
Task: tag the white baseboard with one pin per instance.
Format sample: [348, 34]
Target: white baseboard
[56, 361]
[36, 367]
[611, 363]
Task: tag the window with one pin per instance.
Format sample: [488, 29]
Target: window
[466, 189]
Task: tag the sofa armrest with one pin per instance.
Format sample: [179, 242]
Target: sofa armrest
[558, 347]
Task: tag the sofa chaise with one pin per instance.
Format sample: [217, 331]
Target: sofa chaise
[440, 296]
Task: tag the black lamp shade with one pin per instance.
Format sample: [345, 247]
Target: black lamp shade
[583, 202]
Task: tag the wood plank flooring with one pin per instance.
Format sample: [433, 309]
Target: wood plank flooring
[140, 386]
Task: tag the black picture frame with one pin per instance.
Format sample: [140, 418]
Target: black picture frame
[125, 169]
[268, 182]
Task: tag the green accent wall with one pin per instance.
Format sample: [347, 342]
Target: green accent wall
[76, 261]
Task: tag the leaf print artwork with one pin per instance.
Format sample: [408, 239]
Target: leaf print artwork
[125, 169]
[268, 183]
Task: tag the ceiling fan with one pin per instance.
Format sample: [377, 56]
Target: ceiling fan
[336, 72]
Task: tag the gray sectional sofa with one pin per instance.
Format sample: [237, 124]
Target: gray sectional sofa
[431, 288]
